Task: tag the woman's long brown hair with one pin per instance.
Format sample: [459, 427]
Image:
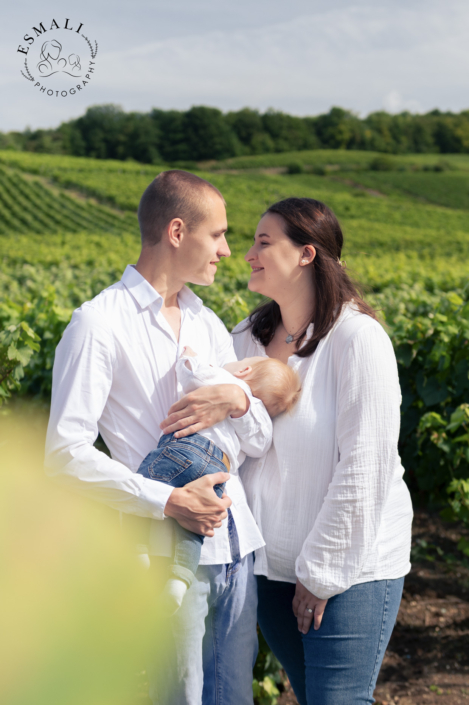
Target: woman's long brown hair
[310, 222]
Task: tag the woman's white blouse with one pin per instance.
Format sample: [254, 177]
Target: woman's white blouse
[328, 496]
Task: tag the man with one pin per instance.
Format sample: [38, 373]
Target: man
[114, 373]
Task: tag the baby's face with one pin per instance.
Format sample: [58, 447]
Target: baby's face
[241, 365]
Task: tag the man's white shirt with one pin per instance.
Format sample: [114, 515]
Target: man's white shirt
[114, 373]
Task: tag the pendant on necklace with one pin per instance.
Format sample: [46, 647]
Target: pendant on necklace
[289, 339]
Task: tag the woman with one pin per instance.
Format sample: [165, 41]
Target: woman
[329, 496]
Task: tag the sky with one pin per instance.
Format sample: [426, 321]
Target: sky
[298, 56]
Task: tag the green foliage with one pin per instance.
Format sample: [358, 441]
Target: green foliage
[27, 205]
[107, 132]
[112, 182]
[295, 168]
[268, 675]
[430, 333]
[446, 188]
[317, 158]
[17, 345]
[382, 163]
[265, 691]
[458, 489]
[48, 321]
[452, 439]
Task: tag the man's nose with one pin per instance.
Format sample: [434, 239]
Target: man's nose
[224, 250]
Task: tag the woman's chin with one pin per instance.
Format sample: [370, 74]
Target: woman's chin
[257, 288]
[253, 286]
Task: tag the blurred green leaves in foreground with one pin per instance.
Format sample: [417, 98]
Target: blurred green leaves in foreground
[77, 615]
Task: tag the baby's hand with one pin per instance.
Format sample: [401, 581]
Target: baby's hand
[189, 352]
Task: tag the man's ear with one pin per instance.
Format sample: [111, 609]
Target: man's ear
[175, 231]
[242, 374]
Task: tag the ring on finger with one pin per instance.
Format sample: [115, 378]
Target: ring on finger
[308, 609]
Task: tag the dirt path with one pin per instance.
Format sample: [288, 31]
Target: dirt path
[427, 661]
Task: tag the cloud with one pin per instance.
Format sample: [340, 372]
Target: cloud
[364, 57]
[349, 57]
[394, 103]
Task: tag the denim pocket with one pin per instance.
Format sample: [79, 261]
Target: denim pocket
[169, 464]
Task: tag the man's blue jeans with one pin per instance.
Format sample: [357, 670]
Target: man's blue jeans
[211, 648]
[339, 663]
[177, 461]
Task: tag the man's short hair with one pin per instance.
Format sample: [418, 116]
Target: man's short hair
[173, 194]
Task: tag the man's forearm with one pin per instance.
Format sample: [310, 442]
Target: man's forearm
[92, 473]
[204, 407]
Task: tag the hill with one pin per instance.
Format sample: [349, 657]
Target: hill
[391, 235]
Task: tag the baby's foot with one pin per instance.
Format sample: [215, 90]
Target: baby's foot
[173, 595]
[143, 559]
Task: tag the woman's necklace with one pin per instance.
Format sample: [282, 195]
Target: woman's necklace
[290, 338]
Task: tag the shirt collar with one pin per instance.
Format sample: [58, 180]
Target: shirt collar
[187, 298]
[146, 295]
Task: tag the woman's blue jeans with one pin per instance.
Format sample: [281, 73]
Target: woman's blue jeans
[339, 663]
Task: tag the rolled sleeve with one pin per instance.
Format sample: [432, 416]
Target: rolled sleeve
[254, 429]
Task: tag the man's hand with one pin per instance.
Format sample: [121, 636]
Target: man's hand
[205, 407]
[304, 601]
[196, 506]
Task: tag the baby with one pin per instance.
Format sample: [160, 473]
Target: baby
[177, 461]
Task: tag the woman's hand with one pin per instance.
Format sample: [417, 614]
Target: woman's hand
[307, 606]
[205, 407]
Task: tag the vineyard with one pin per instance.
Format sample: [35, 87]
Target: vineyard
[28, 206]
[68, 228]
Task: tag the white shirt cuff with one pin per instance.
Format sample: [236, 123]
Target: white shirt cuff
[156, 495]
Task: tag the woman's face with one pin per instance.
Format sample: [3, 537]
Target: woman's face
[277, 263]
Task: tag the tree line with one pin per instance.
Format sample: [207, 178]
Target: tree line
[203, 133]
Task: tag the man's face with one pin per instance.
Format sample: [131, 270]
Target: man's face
[203, 247]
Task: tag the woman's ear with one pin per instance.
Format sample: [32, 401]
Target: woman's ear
[242, 374]
[308, 254]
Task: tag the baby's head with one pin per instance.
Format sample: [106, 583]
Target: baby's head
[271, 381]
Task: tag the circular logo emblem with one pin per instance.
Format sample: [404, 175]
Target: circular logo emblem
[59, 59]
